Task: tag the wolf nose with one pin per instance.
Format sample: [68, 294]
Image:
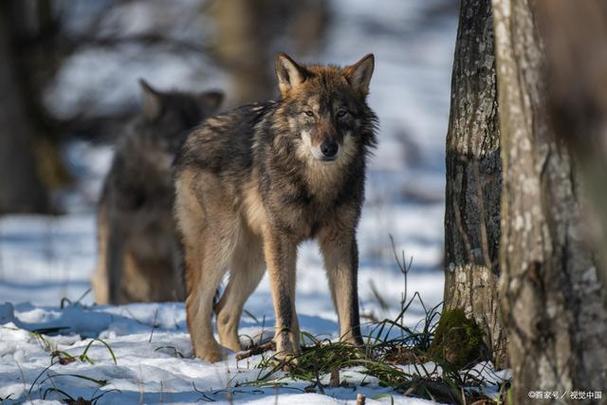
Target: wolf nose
[329, 149]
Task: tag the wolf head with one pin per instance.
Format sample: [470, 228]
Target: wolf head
[325, 108]
[167, 117]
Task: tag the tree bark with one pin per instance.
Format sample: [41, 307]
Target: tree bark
[472, 228]
[20, 187]
[551, 297]
[575, 34]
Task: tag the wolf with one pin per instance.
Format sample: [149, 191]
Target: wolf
[251, 184]
[138, 256]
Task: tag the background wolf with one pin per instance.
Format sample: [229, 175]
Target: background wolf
[137, 252]
[251, 184]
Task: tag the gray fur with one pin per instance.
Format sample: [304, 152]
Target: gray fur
[138, 258]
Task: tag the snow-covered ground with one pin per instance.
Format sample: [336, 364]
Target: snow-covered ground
[46, 259]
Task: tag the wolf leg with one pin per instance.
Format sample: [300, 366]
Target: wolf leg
[281, 255]
[246, 271]
[99, 282]
[115, 263]
[205, 267]
[208, 231]
[178, 274]
[341, 262]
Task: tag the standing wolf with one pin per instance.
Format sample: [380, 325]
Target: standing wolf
[253, 183]
[137, 248]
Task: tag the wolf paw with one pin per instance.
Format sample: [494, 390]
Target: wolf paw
[215, 354]
[284, 361]
[287, 353]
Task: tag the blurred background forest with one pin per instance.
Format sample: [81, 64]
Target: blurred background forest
[70, 84]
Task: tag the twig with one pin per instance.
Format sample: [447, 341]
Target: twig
[154, 326]
[256, 350]
[380, 300]
[334, 378]
[318, 383]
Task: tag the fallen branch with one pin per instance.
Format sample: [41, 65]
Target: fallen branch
[255, 350]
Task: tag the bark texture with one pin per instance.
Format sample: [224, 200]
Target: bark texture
[551, 296]
[472, 228]
[575, 34]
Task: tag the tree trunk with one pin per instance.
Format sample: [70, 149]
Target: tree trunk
[20, 187]
[243, 38]
[248, 33]
[575, 34]
[472, 228]
[551, 297]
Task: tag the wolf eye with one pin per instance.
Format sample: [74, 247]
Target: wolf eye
[342, 113]
[309, 113]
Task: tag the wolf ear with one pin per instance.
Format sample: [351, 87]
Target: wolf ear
[359, 74]
[210, 101]
[152, 100]
[289, 73]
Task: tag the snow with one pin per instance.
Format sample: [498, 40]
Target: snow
[152, 348]
[45, 259]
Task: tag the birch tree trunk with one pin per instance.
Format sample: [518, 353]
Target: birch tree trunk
[551, 297]
[472, 228]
